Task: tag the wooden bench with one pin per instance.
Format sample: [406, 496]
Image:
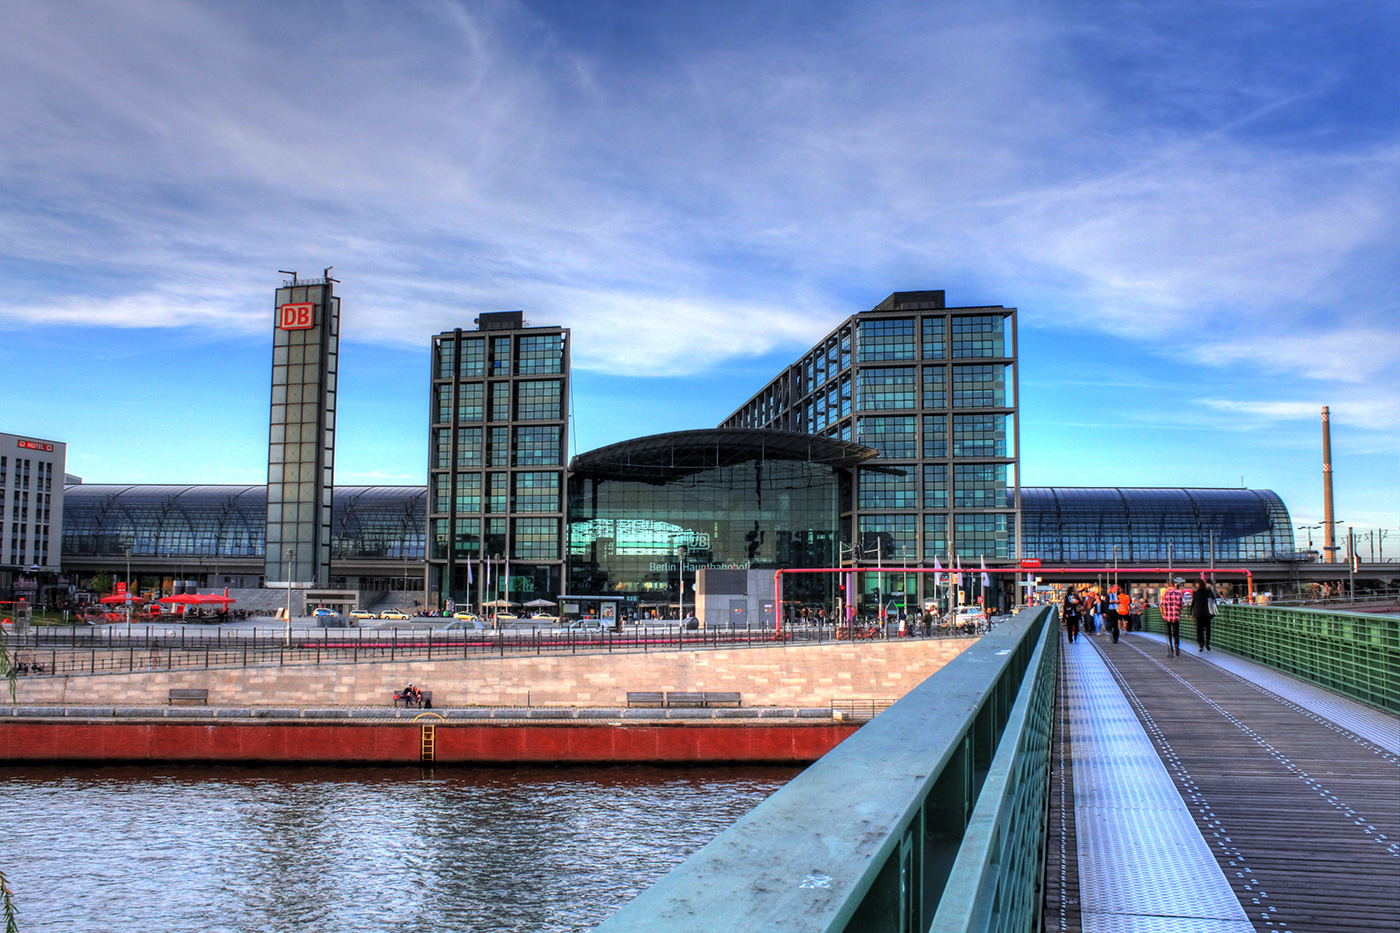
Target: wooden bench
[685, 700]
[713, 698]
[187, 693]
[425, 701]
[645, 698]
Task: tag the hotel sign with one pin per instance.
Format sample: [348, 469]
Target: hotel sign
[301, 316]
[36, 445]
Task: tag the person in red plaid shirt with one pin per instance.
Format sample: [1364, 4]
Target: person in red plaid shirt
[1171, 616]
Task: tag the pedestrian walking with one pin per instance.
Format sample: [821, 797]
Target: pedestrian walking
[1171, 617]
[1069, 611]
[1203, 611]
[1110, 616]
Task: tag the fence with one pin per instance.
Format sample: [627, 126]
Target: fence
[930, 817]
[49, 651]
[1356, 654]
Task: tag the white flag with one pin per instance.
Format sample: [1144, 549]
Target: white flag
[986, 580]
[937, 573]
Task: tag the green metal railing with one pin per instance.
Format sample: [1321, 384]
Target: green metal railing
[1356, 654]
[930, 817]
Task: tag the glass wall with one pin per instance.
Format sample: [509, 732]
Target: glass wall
[624, 531]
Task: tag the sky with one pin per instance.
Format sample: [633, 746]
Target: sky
[1192, 206]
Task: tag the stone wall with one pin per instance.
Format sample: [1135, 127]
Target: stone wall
[788, 675]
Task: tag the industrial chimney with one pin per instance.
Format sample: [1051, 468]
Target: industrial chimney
[1329, 533]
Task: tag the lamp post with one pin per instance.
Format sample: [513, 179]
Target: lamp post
[1115, 566]
[128, 591]
[684, 552]
[289, 554]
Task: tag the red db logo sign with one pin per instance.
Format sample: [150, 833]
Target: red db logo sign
[296, 317]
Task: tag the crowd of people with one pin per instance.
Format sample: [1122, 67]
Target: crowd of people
[1084, 610]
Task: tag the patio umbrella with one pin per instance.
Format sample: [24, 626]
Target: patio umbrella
[120, 598]
[539, 603]
[501, 603]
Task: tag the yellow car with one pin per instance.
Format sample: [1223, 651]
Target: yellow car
[465, 616]
[361, 614]
[393, 614]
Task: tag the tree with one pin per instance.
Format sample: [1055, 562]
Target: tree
[103, 583]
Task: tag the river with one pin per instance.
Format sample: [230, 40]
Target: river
[201, 849]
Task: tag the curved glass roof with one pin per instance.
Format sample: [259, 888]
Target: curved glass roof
[661, 458]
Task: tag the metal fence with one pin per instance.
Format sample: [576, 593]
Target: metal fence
[929, 817]
[75, 650]
[1356, 654]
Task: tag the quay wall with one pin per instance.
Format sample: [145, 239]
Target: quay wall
[790, 742]
[780, 675]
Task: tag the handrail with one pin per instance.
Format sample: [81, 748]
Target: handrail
[866, 838]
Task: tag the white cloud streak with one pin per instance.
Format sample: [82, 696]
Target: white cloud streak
[678, 210]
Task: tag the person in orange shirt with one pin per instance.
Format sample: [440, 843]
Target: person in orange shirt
[1125, 610]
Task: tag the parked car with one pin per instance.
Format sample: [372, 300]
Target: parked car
[328, 618]
[361, 614]
[462, 625]
[584, 625]
[967, 617]
[393, 614]
[466, 616]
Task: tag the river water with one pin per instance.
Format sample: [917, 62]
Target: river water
[201, 849]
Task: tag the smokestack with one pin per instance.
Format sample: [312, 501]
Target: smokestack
[1329, 533]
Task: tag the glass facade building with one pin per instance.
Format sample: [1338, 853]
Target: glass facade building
[498, 436]
[734, 499]
[932, 389]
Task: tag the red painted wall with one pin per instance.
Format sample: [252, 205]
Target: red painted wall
[400, 742]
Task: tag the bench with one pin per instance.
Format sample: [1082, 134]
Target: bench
[645, 698]
[187, 693]
[713, 698]
[684, 700]
[425, 701]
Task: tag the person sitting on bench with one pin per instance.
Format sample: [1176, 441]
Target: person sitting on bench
[411, 696]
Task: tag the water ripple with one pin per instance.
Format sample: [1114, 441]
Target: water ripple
[127, 849]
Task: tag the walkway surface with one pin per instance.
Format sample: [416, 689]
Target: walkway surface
[1206, 793]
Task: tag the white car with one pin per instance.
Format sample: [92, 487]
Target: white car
[462, 625]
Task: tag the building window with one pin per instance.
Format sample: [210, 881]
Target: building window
[467, 541]
[500, 402]
[979, 486]
[935, 387]
[539, 400]
[893, 435]
[935, 436]
[498, 453]
[882, 341]
[982, 435]
[468, 448]
[539, 445]
[468, 492]
[473, 358]
[444, 406]
[535, 539]
[500, 356]
[469, 401]
[446, 358]
[886, 388]
[934, 338]
[536, 491]
[892, 537]
[497, 492]
[441, 491]
[887, 490]
[442, 448]
[985, 535]
[935, 537]
[936, 486]
[979, 335]
[540, 353]
[979, 386]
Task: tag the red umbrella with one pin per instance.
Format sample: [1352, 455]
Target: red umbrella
[120, 598]
[184, 599]
[214, 599]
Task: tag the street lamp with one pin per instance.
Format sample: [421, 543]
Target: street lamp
[1115, 566]
[289, 554]
[128, 591]
[683, 552]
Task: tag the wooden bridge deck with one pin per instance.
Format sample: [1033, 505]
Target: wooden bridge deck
[1186, 796]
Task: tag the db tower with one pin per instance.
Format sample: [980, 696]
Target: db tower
[301, 442]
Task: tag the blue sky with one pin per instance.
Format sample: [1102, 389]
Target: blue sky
[1194, 207]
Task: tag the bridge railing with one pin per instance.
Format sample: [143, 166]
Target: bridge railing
[1356, 654]
[930, 817]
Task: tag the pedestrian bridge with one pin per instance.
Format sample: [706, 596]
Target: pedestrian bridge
[1035, 784]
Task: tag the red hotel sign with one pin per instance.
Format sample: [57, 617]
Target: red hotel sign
[35, 445]
[1030, 563]
[297, 316]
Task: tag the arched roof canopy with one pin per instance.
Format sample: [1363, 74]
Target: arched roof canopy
[663, 458]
